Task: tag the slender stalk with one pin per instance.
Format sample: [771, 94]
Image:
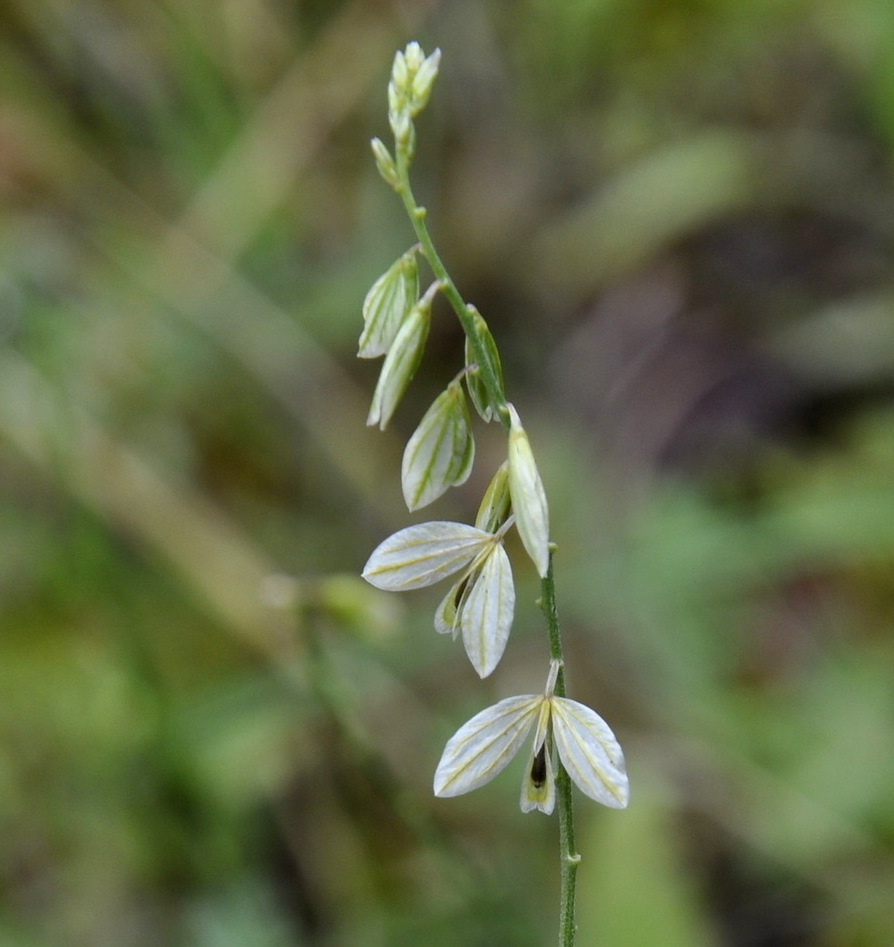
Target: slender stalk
[464, 312]
[568, 855]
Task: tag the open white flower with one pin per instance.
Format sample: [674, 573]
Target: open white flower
[587, 748]
[480, 605]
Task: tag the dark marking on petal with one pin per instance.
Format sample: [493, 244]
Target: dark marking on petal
[538, 768]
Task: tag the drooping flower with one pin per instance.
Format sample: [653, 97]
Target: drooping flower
[586, 746]
[480, 605]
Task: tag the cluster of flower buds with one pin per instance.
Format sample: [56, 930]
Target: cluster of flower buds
[412, 76]
[480, 603]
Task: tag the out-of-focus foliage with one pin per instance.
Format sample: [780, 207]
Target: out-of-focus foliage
[676, 218]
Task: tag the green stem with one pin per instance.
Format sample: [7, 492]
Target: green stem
[464, 312]
[569, 858]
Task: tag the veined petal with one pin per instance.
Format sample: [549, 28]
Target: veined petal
[421, 555]
[484, 745]
[440, 453]
[539, 783]
[486, 611]
[589, 752]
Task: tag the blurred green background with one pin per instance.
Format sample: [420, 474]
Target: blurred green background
[678, 218]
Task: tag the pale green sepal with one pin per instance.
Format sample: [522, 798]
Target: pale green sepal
[441, 451]
[421, 555]
[528, 496]
[486, 611]
[484, 745]
[540, 794]
[400, 365]
[496, 502]
[589, 752]
[387, 304]
[474, 381]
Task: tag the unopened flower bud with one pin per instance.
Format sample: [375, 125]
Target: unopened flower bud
[420, 91]
[387, 304]
[441, 451]
[528, 496]
[475, 385]
[496, 504]
[400, 363]
[385, 163]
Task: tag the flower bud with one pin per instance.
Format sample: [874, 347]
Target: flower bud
[495, 505]
[385, 163]
[441, 451]
[387, 304]
[420, 90]
[400, 71]
[528, 496]
[401, 127]
[474, 381]
[400, 363]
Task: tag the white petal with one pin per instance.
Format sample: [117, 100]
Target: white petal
[484, 745]
[589, 752]
[486, 612]
[424, 554]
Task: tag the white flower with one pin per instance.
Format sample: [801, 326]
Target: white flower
[480, 605]
[587, 748]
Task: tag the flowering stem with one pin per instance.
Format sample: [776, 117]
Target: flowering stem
[408, 91]
[568, 854]
[569, 857]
